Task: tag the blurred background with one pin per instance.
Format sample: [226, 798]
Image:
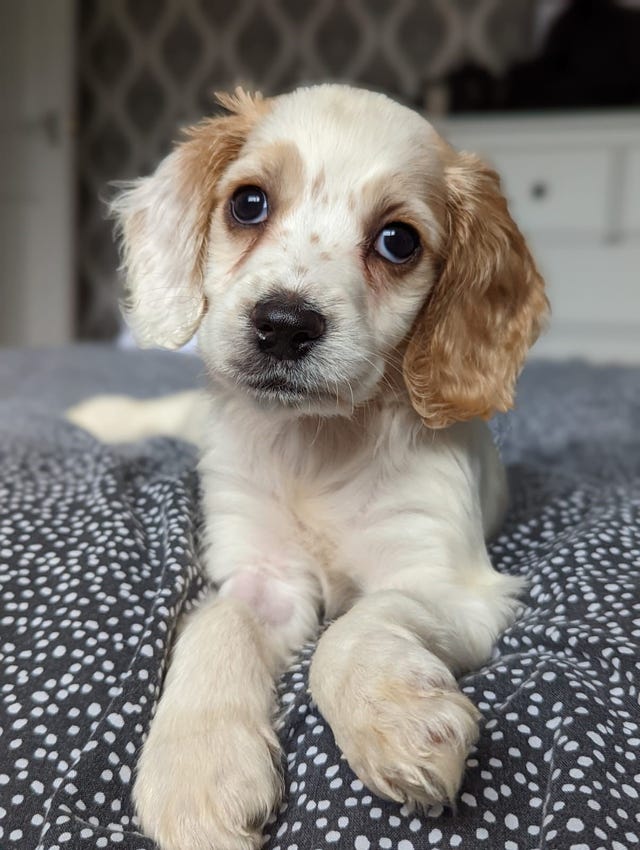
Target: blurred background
[94, 91]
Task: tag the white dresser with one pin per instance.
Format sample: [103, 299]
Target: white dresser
[573, 183]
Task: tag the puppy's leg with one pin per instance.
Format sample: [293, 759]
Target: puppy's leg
[383, 676]
[209, 774]
[120, 419]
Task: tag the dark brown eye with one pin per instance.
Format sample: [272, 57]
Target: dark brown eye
[397, 242]
[249, 205]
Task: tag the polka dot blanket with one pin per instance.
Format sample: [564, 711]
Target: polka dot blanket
[98, 555]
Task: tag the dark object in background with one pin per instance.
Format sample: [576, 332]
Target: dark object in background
[474, 89]
[591, 58]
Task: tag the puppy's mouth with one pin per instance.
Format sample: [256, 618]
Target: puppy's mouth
[276, 386]
[284, 391]
[294, 387]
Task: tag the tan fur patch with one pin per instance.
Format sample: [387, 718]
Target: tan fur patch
[286, 174]
[278, 169]
[386, 199]
[485, 311]
[211, 146]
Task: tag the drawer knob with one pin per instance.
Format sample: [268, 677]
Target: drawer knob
[539, 190]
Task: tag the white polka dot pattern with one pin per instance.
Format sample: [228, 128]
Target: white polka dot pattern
[97, 557]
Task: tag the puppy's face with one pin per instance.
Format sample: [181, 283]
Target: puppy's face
[315, 239]
[321, 249]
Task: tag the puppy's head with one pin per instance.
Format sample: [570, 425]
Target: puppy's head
[325, 242]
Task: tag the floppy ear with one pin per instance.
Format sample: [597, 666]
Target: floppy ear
[485, 310]
[164, 222]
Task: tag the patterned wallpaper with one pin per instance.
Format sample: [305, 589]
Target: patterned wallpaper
[145, 67]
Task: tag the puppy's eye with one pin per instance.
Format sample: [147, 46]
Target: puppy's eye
[249, 205]
[397, 242]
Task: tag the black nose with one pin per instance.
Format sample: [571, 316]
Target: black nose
[286, 328]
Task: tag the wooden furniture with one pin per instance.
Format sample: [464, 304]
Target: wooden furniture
[573, 184]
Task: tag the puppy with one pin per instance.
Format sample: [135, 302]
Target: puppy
[363, 300]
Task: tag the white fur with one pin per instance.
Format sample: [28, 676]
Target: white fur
[119, 419]
[343, 504]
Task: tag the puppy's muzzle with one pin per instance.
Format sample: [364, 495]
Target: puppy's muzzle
[286, 327]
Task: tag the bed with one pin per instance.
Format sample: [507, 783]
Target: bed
[98, 555]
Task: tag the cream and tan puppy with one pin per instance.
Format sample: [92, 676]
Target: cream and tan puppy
[363, 300]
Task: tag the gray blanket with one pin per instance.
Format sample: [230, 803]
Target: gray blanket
[98, 555]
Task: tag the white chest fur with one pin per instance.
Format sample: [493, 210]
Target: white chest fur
[349, 502]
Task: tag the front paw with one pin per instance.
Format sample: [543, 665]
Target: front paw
[404, 727]
[207, 783]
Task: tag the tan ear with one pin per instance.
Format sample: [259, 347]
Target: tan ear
[164, 223]
[485, 310]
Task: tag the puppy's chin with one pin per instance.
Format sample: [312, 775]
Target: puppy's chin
[293, 395]
[298, 399]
